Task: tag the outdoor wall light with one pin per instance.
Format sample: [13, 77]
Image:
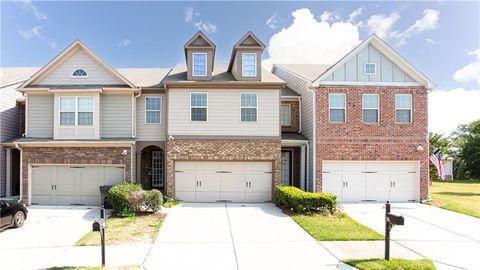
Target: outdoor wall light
[420, 148]
[124, 152]
[170, 137]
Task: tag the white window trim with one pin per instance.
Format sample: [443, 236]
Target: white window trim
[344, 108]
[281, 115]
[145, 110]
[411, 109]
[190, 112]
[193, 65]
[248, 107]
[365, 69]
[255, 57]
[378, 109]
[76, 111]
[79, 77]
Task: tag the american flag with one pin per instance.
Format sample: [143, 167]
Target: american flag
[436, 159]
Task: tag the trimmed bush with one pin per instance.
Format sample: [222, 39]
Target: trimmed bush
[136, 200]
[304, 202]
[118, 197]
[153, 200]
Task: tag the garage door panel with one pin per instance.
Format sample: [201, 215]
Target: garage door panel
[403, 166]
[258, 166]
[208, 182]
[90, 199]
[233, 166]
[207, 196]
[331, 166]
[355, 186]
[404, 186]
[332, 183]
[210, 167]
[259, 182]
[65, 183]
[185, 166]
[354, 166]
[232, 196]
[185, 181]
[233, 182]
[378, 186]
[185, 195]
[377, 166]
[112, 175]
[258, 197]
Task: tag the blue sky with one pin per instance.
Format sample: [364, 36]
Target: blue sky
[151, 34]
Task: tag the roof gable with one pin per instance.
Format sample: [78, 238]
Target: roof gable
[249, 40]
[199, 40]
[77, 55]
[391, 66]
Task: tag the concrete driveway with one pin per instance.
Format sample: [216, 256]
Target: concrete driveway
[235, 236]
[450, 239]
[47, 233]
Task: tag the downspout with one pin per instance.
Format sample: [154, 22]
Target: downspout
[133, 174]
[300, 114]
[307, 174]
[134, 110]
[21, 172]
[314, 139]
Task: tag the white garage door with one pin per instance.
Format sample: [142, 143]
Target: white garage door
[72, 185]
[223, 181]
[355, 181]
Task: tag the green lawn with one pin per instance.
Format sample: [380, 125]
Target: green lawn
[336, 227]
[462, 197]
[124, 230]
[394, 264]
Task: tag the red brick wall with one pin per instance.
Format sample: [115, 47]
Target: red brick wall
[295, 116]
[385, 140]
[73, 155]
[221, 150]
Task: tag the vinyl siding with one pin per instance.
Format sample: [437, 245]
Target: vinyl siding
[150, 132]
[40, 116]
[116, 116]
[301, 86]
[353, 70]
[62, 74]
[224, 114]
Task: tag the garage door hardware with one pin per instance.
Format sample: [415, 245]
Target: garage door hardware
[223, 172]
[392, 184]
[199, 183]
[412, 172]
[249, 184]
[345, 184]
[178, 171]
[75, 167]
[54, 187]
[370, 172]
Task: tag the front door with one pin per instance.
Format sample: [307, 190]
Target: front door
[157, 169]
[286, 166]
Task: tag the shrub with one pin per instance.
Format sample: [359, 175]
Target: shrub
[301, 201]
[136, 200]
[118, 198]
[153, 200]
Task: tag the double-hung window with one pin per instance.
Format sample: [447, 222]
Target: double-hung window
[285, 115]
[248, 107]
[198, 106]
[153, 110]
[336, 103]
[76, 111]
[199, 64]
[370, 68]
[403, 108]
[370, 108]
[249, 64]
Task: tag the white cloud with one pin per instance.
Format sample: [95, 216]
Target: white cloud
[309, 41]
[429, 21]
[39, 15]
[272, 21]
[449, 108]
[190, 17]
[470, 72]
[30, 33]
[206, 26]
[124, 42]
[53, 45]
[188, 14]
[381, 25]
[430, 41]
[353, 16]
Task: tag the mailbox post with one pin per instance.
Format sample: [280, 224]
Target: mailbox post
[99, 226]
[390, 221]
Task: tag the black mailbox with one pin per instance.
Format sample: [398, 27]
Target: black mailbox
[394, 219]
[98, 225]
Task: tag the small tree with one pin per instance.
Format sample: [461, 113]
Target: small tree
[466, 145]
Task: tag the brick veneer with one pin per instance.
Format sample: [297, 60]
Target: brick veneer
[221, 150]
[294, 111]
[385, 140]
[73, 155]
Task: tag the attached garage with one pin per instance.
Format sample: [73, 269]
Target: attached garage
[72, 184]
[356, 181]
[223, 181]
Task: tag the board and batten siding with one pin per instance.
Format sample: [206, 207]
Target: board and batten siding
[116, 116]
[224, 114]
[40, 110]
[353, 69]
[62, 74]
[300, 86]
[150, 132]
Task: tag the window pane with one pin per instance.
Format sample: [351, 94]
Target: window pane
[67, 104]
[248, 100]
[285, 115]
[402, 116]
[337, 115]
[337, 100]
[370, 101]
[67, 118]
[152, 104]
[370, 68]
[370, 116]
[249, 114]
[248, 64]
[85, 104]
[199, 64]
[199, 114]
[199, 99]
[79, 73]
[403, 101]
[153, 117]
[85, 118]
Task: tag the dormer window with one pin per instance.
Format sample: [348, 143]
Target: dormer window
[79, 73]
[249, 64]
[370, 69]
[199, 64]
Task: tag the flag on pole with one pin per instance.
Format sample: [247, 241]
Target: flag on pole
[436, 159]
